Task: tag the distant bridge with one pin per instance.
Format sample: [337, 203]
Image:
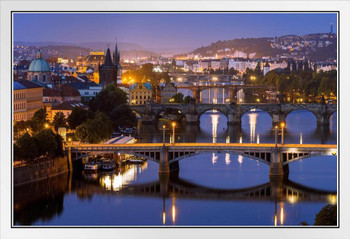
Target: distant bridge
[276, 156]
[234, 112]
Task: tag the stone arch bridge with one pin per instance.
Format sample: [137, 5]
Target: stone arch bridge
[191, 112]
[167, 156]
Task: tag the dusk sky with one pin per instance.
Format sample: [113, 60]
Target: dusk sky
[165, 30]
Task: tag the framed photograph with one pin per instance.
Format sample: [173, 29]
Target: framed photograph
[167, 119]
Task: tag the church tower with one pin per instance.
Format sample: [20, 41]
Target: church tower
[109, 70]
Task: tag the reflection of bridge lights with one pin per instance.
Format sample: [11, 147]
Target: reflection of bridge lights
[282, 215]
[252, 123]
[240, 159]
[332, 199]
[240, 139]
[214, 126]
[116, 182]
[301, 138]
[227, 159]
[228, 139]
[258, 139]
[163, 218]
[214, 158]
[173, 211]
[275, 220]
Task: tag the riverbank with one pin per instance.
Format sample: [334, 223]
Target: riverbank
[39, 170]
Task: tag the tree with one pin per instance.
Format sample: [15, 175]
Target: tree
[232, 71]
[178, 98]
[188, 99]
[95, 130]
[107, 99]
[77, 117]
[59, 120]
[21, 127]
[122, 115]
[38, 120]
[327, 216]
[27, 147]
[47, 143]
[59, 150]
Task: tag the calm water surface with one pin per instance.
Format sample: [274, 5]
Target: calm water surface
[210, 189]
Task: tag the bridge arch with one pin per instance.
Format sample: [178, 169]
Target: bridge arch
[213, 107]
[285, 162]
[256, 156]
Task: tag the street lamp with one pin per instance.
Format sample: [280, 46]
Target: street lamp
[282, 129]
[258, 100]
[163, 135]
[276, 130]
[46, 125]
[173, 124]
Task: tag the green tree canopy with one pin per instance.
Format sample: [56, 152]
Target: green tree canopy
[77, 117]
[59, 120]
[47, 144]
[178, 98]
[107, 99]
[38, 120]
[122, 115]
[327, 216]
[27, 147]
[95, 130]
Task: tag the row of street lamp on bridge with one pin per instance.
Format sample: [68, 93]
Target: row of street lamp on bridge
[276, 129]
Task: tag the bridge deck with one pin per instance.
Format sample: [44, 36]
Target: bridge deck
[200, 146]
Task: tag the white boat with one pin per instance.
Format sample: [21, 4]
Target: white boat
[90, 167]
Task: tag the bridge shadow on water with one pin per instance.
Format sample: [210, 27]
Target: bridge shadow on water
[50, 194]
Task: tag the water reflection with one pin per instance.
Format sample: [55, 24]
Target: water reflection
[252, 123]
[214, 126]
[44, 206]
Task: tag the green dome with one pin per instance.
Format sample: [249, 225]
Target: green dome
[39, 64]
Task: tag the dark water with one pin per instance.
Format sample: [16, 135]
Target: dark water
[210, 189]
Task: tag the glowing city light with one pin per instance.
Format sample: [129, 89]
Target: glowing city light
[214, 126]
[252, 124]
[227, 159]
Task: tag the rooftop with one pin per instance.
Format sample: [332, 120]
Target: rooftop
[25, 84]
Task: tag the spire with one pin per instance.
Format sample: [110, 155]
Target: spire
[116, 56]
[108, 59]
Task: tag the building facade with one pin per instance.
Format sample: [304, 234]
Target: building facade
[139, 94]
[27, 98]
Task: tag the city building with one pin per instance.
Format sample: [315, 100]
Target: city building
[27, 98]
[139, 94]
[39, 70]
[52, 96]
[167, 92]
[110, 71]
[266, 68]
[241, 65]
[87, 90]
[93, 60]
[66, 108]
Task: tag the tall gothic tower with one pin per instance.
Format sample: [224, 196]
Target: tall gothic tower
[110, 70]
